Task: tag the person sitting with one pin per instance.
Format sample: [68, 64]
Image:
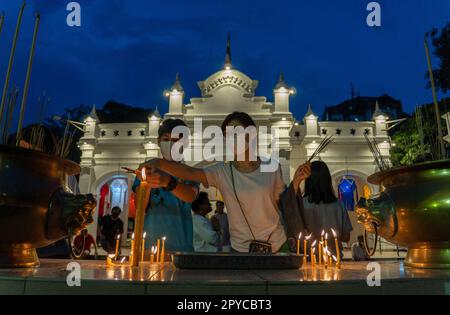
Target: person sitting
[359, 252]
[222, 221]
[88, 243]
[110, 227]
[322, 210]
[206, 235]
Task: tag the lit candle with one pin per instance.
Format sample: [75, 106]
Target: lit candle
[321, 244]
[132, 247]
[326, 246]
[163, 250]
[158, 247]
[314, 256]
[320, 252]
[305, 247]
[116, 252]
[143, 246]
[142, 194]
[298, 244]
[152, 255]
[313, 245]
[338, 249]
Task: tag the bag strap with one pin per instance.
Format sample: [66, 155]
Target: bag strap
[239, 202]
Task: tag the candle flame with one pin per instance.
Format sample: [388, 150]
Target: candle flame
[314, 250]
[145, 235]
[111, 256]
[164, 238]
[300, 236]
[334, 258]
[132, 236]
[323, 233]
[118, 237]
[314, 243]
[326, 236]
[154, 249]
[334, 233]
[123, 260]
[308, 237]
[144, 174]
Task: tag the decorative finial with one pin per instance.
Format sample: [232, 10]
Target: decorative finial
[228, 54]
[281, 83]
[310, 112]
[177, 85]
[378, 111]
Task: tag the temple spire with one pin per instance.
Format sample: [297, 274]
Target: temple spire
[228, 54]
[281, 82]
[177, 85]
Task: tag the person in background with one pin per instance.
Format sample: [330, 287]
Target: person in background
[110, 227]
[206, 235]
[222, 221]
[88, 243]
[322, 210]
[169, 209]
[359, 252]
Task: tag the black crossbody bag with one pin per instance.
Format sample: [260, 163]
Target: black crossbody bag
[256, 246]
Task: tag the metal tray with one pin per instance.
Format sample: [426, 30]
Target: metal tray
[237, 261]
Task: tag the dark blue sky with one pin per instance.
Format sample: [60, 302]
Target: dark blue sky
[130, 50]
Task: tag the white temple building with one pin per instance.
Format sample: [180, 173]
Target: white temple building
[107, 147]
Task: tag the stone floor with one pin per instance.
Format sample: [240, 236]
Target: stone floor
[97, 278]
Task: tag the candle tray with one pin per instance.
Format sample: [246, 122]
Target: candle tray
[237, 261]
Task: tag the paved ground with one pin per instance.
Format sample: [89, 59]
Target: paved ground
[97, 278]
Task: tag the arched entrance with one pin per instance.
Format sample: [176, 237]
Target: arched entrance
[114, 189]
[350, 185]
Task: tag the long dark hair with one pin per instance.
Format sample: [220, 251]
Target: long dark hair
[319, 187]
[244, 120]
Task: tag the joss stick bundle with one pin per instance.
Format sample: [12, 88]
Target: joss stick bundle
[322, 146]
[11, 101]
[378, 156]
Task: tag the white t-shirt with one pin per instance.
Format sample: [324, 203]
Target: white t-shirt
[258, 193]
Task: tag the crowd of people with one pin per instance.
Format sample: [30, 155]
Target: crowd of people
[255, 219]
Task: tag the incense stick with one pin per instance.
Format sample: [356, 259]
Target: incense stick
[322, 146]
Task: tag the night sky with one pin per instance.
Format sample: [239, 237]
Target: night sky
[130, 50]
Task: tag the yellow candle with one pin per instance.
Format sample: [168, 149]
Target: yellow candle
[321, 246]
[305, 247]
[158, 246]
[320, 252]
[142, 194]
[163, 250]
[313, 245]
[132, 247]
[338, 250]
[298, 244]
[116, 252]
[152, 255]
[143, 246]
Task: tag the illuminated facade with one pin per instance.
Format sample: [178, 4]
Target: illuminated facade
[107, 147]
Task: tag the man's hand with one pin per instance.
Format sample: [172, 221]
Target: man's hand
[158, 179]
[302, 173]
[148, 165]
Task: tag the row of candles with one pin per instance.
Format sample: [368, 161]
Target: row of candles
[326, 258]
[158, 251]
